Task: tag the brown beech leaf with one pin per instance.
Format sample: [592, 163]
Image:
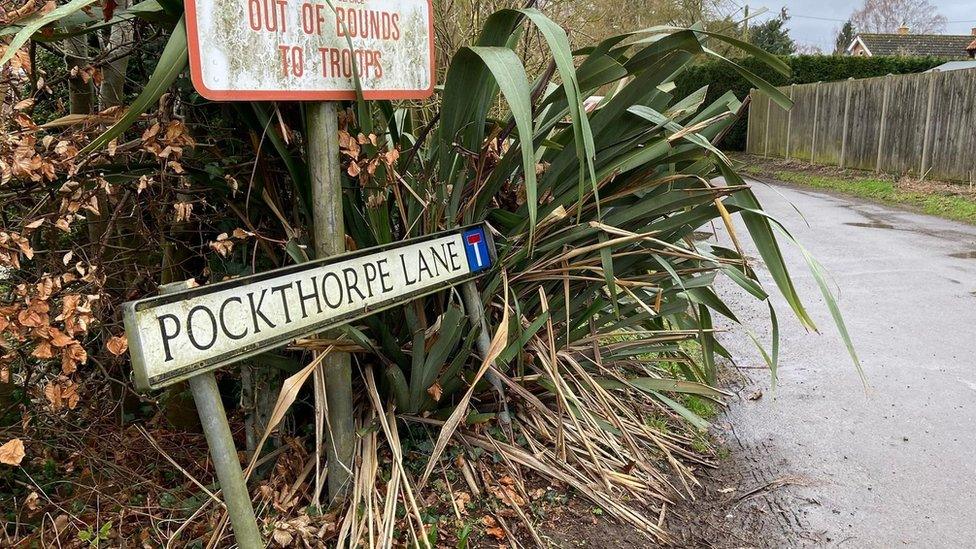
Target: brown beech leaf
[31, 501]
[222, 246]
[25, 247]
[24, 105]
[53, 395]
[117, 345]
[183, 211]
[43, 351]
[435, 392]
[71, 357]
[282, 537]
[492, 528]
[70, 395]
[12, 452]
[60, 339]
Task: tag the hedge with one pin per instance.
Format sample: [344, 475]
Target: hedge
[720, 78]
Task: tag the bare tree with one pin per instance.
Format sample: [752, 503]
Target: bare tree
[808, 49]
[885, 16]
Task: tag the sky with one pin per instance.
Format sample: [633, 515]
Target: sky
[816, 22]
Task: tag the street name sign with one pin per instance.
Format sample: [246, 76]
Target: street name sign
[275, 50]
[178, 335]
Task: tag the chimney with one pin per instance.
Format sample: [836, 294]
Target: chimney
[903, 29]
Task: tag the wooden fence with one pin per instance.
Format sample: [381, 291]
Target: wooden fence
[923, 124]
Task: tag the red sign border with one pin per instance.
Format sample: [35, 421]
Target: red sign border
[196, 74]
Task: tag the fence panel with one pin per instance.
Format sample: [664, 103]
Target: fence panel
[864, 123]
[830, 123]
[778, 121]
[906, 118]
[801, 126]
[910, 123]
[953, 134]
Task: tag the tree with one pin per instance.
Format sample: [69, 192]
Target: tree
[885, 16]
[773, 37]
[808, 49]
[844, 37]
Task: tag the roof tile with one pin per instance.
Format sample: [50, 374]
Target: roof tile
[939, 45]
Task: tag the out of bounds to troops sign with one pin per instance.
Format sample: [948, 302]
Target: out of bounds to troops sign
[243, 50]
[179, 335]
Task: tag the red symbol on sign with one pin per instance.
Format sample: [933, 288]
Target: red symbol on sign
[473, 240]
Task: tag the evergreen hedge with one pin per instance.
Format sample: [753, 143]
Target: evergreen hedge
[720, 77]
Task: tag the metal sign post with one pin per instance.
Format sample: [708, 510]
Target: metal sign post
[213, 418]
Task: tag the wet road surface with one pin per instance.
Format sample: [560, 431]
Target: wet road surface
[893, 465]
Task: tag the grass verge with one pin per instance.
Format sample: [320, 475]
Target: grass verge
[948, 200]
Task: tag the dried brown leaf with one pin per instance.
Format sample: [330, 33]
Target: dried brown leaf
[43, 351]
[117, 345]
[12, 452]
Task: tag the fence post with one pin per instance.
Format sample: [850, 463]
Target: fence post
[769, 104]
[882, 121]
[816, 119]
[926, 137]
[789, 122]
[847, 112]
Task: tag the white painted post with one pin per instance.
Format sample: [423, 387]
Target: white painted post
[882, 122]
[330, 239]
[927, 136]
[213, 418]
[847, 115]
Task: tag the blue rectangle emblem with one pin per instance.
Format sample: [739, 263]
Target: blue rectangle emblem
[476, 248]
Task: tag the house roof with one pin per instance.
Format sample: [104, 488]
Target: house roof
[954, 66]
[939, 45]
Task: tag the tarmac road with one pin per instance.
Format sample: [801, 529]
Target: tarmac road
[892, 466]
